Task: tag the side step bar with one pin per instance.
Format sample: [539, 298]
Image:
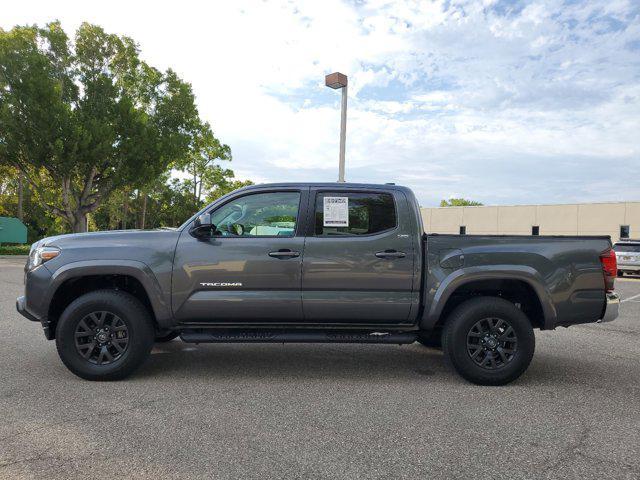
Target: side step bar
[275, 336]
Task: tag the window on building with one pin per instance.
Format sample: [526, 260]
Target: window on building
[354, 213]
[463, 230]
[624, 231]
[535, 230]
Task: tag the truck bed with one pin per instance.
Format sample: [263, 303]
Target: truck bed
[564, 271]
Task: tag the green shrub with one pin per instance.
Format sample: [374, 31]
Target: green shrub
[14, 249]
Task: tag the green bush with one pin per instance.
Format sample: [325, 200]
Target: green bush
[14, 249]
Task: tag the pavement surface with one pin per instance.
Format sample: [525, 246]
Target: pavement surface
[322, 411]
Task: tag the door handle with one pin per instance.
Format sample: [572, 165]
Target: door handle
[284, 253]
[391, 254]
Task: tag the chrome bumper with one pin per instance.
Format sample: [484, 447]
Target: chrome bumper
[611, 307]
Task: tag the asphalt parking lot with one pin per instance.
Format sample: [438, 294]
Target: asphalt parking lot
[322, 411]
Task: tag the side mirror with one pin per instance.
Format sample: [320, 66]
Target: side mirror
[202, 226]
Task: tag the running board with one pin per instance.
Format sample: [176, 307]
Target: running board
[275, 336]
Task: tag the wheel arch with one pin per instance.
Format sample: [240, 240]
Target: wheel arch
[78, 278]
[519, 284]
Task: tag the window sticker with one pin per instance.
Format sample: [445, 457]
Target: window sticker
[336, 211]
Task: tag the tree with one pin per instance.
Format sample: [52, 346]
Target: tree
[459, 202]
[228, 186]
[204, 174]
[39, 222]
[82, 119]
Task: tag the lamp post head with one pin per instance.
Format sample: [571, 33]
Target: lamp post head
[335, 80]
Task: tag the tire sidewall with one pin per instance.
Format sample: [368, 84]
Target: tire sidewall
[132, 313]
[464, 317]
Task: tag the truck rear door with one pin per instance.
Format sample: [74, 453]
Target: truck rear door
[358, 258]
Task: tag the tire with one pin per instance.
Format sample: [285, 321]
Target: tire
[620, 273]
[482, 323]
[431, 339]
[167, 337]
[110, 316]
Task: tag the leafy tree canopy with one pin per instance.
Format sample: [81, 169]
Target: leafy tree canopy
[459, 202]
[83, 118]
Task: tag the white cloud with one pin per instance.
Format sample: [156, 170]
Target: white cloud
[493, 100]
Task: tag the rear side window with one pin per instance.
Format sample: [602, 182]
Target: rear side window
[627, 247]
[350, 213]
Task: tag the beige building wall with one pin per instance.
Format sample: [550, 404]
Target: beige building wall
[572, 219]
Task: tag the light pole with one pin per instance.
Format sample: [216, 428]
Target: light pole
[338, 80]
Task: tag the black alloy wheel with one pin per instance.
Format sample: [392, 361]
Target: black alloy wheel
[492, 343]
[488, 340]
[101, 337]
[104, 335]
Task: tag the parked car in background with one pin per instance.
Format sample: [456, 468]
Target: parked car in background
[628, 256]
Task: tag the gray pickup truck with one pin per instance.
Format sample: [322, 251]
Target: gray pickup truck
[344, 263]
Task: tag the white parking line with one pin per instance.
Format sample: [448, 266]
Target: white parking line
[630, 298]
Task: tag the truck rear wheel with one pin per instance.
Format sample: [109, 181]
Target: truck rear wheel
[104, 335]
[488, 341]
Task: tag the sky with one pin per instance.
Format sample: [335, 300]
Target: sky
[503, 102]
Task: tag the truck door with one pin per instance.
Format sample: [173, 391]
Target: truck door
[359, 257]
[249, 270]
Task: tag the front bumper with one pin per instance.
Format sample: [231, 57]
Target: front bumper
[21, 306]
[22, 309]
[611, 307]
[34, 304]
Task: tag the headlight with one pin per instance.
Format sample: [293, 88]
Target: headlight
[39, 255]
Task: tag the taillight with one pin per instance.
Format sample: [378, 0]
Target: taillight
[609, 268]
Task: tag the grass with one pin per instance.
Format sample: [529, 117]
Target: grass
[14, 249]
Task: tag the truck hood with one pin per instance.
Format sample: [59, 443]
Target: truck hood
[151, 247]
[112, 237]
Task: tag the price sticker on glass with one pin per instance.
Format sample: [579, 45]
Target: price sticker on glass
[336, 211]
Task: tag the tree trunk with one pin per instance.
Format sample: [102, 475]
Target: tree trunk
[74, 213]
[80, 222]
[20, 197]
[144, 210]
[125, 210]
[195, 186]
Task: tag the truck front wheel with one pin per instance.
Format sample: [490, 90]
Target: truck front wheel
[104, 335]
[489, 341]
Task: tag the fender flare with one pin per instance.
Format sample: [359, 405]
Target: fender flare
[530, 276]
[133, 268]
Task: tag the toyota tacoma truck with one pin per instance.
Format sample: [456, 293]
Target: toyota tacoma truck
[330, 262]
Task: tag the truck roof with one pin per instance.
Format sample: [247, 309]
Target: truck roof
[337, 185]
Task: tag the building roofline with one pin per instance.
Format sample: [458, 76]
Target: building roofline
[539, 204]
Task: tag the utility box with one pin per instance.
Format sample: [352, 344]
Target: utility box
[12, 230]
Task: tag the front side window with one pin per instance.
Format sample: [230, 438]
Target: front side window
[258, 215]
[351, 213]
